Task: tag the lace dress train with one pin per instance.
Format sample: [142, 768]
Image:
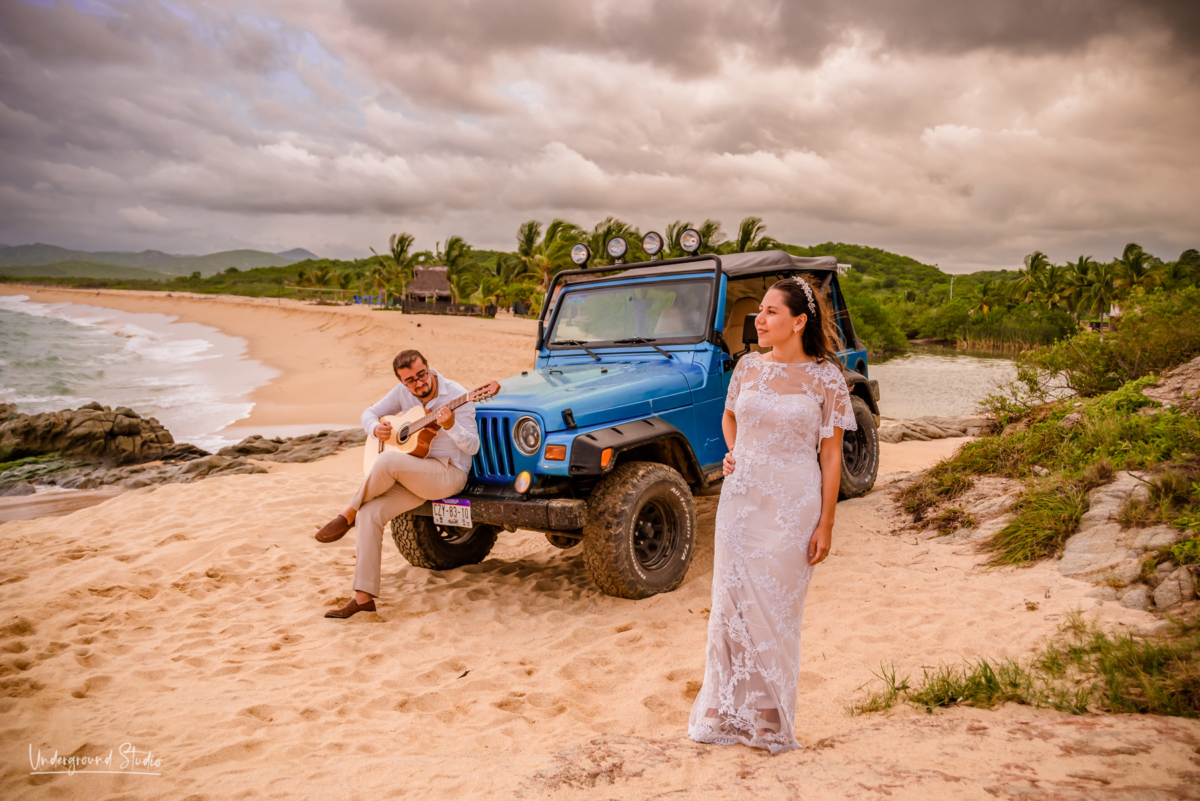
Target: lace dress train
[768, 511]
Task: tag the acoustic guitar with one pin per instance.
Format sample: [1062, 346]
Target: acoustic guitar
[413, 431]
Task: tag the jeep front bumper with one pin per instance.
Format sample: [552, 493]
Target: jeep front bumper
[554, 514]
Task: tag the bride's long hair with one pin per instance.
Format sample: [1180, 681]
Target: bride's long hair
[820, 338]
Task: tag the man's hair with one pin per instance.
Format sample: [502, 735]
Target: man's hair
[405, 358]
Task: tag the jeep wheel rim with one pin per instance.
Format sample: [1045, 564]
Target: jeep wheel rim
[854, 451]
[654, 536]
[454, 535]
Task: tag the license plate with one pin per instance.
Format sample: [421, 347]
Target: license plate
[452, 512]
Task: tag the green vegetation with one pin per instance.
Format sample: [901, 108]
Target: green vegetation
[1075, 414]
[894, 298]
[1082, 670]
[84, 269]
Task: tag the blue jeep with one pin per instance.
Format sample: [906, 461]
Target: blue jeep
[606, 441]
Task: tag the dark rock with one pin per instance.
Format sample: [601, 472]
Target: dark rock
[14, 490]
[205, 465]
[90, 432]
[250, 446]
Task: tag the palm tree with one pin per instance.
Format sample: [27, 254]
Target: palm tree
[1180, 273]
[980, 297]
[320, 278]
[1050, 285]
[345, 279]
[544, 255]
[380, 278]
[1135, 268]
[1076, 280]
[711, 236]
[751, 236]
[1101, 291]
[490, 289]
[1035, 264]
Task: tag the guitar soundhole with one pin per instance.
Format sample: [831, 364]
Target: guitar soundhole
[403, 435]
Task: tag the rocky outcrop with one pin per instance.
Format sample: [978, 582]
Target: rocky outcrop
[1178, 385]
[926, 428]
[1100, 546]
[179, 464]
[1101, 550]
[305, 448]
[91, 432]
[1177, 587]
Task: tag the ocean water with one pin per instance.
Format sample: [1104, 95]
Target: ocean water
[195, 379]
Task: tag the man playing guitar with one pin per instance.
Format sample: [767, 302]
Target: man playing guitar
[399, 481]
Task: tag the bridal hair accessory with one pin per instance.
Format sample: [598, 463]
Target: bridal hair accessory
[812, 304]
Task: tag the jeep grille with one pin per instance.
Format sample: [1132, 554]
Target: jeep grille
[494, 462]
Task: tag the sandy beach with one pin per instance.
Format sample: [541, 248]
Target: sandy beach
[186, 621]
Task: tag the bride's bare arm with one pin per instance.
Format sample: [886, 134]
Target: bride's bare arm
[830, 457]
[729, 429]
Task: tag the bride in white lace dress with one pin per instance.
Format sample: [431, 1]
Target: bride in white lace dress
[784, 419]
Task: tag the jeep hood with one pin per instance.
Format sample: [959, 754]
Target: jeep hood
[623, 391]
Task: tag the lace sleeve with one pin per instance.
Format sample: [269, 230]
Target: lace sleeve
[836, 412]
[735, 383]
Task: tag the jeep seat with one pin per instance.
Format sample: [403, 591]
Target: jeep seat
[737, 320]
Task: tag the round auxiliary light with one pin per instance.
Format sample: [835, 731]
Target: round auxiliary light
[527, 435]
[617, 247]
[580, 254]
[652, 243]
[690, 240]
[523, 482]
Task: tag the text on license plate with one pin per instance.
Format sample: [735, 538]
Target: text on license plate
[452, 512]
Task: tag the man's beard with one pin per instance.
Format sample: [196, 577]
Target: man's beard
[429, 394]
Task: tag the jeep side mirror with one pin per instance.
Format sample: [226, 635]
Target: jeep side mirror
[749, 332]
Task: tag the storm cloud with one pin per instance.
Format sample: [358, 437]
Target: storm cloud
[962, 134]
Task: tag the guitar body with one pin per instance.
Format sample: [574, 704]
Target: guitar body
[413, 431]
[416, 443]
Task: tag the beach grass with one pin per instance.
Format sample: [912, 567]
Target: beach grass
[1082, 670]
[1062, 460]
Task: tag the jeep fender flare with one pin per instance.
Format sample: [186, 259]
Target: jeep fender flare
[650, 439]
[860, 385]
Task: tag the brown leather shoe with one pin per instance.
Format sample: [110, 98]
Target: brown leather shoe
[352, 608]
[334, 530]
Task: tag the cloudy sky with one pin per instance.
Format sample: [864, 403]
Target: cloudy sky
[962, 133]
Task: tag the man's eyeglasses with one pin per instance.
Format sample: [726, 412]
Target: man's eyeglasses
[419, 378]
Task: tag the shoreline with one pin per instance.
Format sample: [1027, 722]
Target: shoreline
[333, 361]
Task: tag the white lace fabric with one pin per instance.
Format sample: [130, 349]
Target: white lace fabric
[768, 511]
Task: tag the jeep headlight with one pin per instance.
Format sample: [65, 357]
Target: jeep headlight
[527, 435]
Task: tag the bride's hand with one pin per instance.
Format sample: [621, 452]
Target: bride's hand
[729, 463]
[818, 546]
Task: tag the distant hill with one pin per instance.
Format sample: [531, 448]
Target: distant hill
[155, 260]
[298, 254]
[219, 262]
[83, 269]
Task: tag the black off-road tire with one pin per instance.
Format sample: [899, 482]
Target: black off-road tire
[441, 547]
[860, 452]
[641, 530]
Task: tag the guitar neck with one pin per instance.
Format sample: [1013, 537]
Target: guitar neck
[432, 416]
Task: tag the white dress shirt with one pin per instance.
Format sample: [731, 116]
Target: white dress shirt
[458, 443]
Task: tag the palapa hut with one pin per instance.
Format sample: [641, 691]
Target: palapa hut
[429, 283]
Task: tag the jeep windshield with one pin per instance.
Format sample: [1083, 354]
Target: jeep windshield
[642, 313]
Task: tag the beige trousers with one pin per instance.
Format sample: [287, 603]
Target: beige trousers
[397, 483]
